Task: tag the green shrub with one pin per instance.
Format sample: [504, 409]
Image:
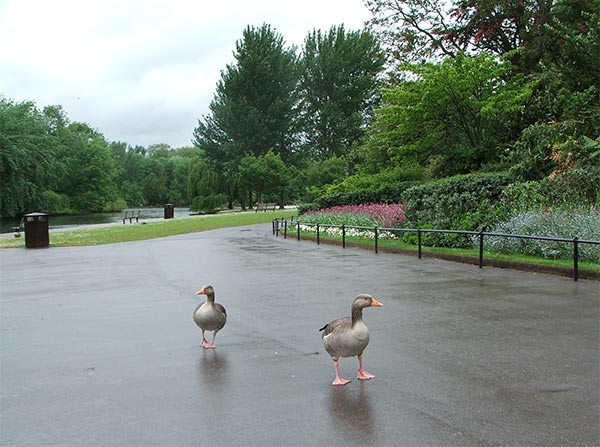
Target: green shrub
[521, 197]
[568, 190]
[133, 194]
[573, 188]
[463, 202]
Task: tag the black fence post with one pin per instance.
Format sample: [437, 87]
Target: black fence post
[420, 249]
[273, 225]
[285, 229]
[575, 258]
[376, 240]
[343, 236]
[298, 229]
[481, 249]
[318, 236]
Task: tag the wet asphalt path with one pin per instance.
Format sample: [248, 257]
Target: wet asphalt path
[98, 348]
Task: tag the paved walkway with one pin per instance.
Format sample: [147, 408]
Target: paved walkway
[98, 348]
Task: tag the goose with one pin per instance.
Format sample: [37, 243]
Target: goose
[349, 336]
[209, 316]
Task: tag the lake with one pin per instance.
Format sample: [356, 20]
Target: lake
[7, 224]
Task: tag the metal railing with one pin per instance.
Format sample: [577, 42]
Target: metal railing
[282, 226]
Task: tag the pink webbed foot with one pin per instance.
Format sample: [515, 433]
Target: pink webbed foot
[363, 375]
[210, 345]
[340, 381]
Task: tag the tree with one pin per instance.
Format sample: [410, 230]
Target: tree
[161, 150]
[498, 27]
[263, 174]
[310, 180]
[90, 174]
[571, 43]
[153, 179]
[454, 117]
[338, 90]
[133, 194]
[326, 172]
[561, 141]
[412, 30]
[426, 30]
[177, 169]
[253, 109]
[207, 189]
[119, 150]
[28, 159]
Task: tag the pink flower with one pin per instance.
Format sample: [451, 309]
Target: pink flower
[386, 215]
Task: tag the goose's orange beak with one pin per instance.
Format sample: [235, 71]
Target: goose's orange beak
[376, 303]
[201, 292]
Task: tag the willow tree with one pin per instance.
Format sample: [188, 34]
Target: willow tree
[27, 157]
[207, 190]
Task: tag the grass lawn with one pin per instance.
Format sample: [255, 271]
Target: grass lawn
[152, 229]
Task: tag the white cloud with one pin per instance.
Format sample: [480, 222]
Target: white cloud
[141, 71]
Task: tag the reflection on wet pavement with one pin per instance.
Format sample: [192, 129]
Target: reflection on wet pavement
[351, 413]
[213, 369]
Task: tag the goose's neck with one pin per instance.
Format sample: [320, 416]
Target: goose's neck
[210, 297]
[356, 314]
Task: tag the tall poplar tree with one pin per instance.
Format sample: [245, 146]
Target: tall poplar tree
[338, 89]
[253, 110]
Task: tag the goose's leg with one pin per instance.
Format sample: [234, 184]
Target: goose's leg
[211, 345]
[362, 374]
[204, 344]
[338, 380]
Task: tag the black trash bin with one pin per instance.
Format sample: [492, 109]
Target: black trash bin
[169, 211]
[36, 230]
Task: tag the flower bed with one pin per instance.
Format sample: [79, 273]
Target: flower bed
[369, 215]
[350, 232]
[583, 223]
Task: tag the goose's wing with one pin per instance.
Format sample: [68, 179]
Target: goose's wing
[220, 308]
[338, 325]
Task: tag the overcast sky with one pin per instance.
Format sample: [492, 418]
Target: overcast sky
[141, 71]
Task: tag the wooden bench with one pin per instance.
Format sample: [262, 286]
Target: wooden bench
[131, 214]
[264, 206]
[20, 228]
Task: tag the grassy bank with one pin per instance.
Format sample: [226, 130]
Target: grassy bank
[151, 229]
